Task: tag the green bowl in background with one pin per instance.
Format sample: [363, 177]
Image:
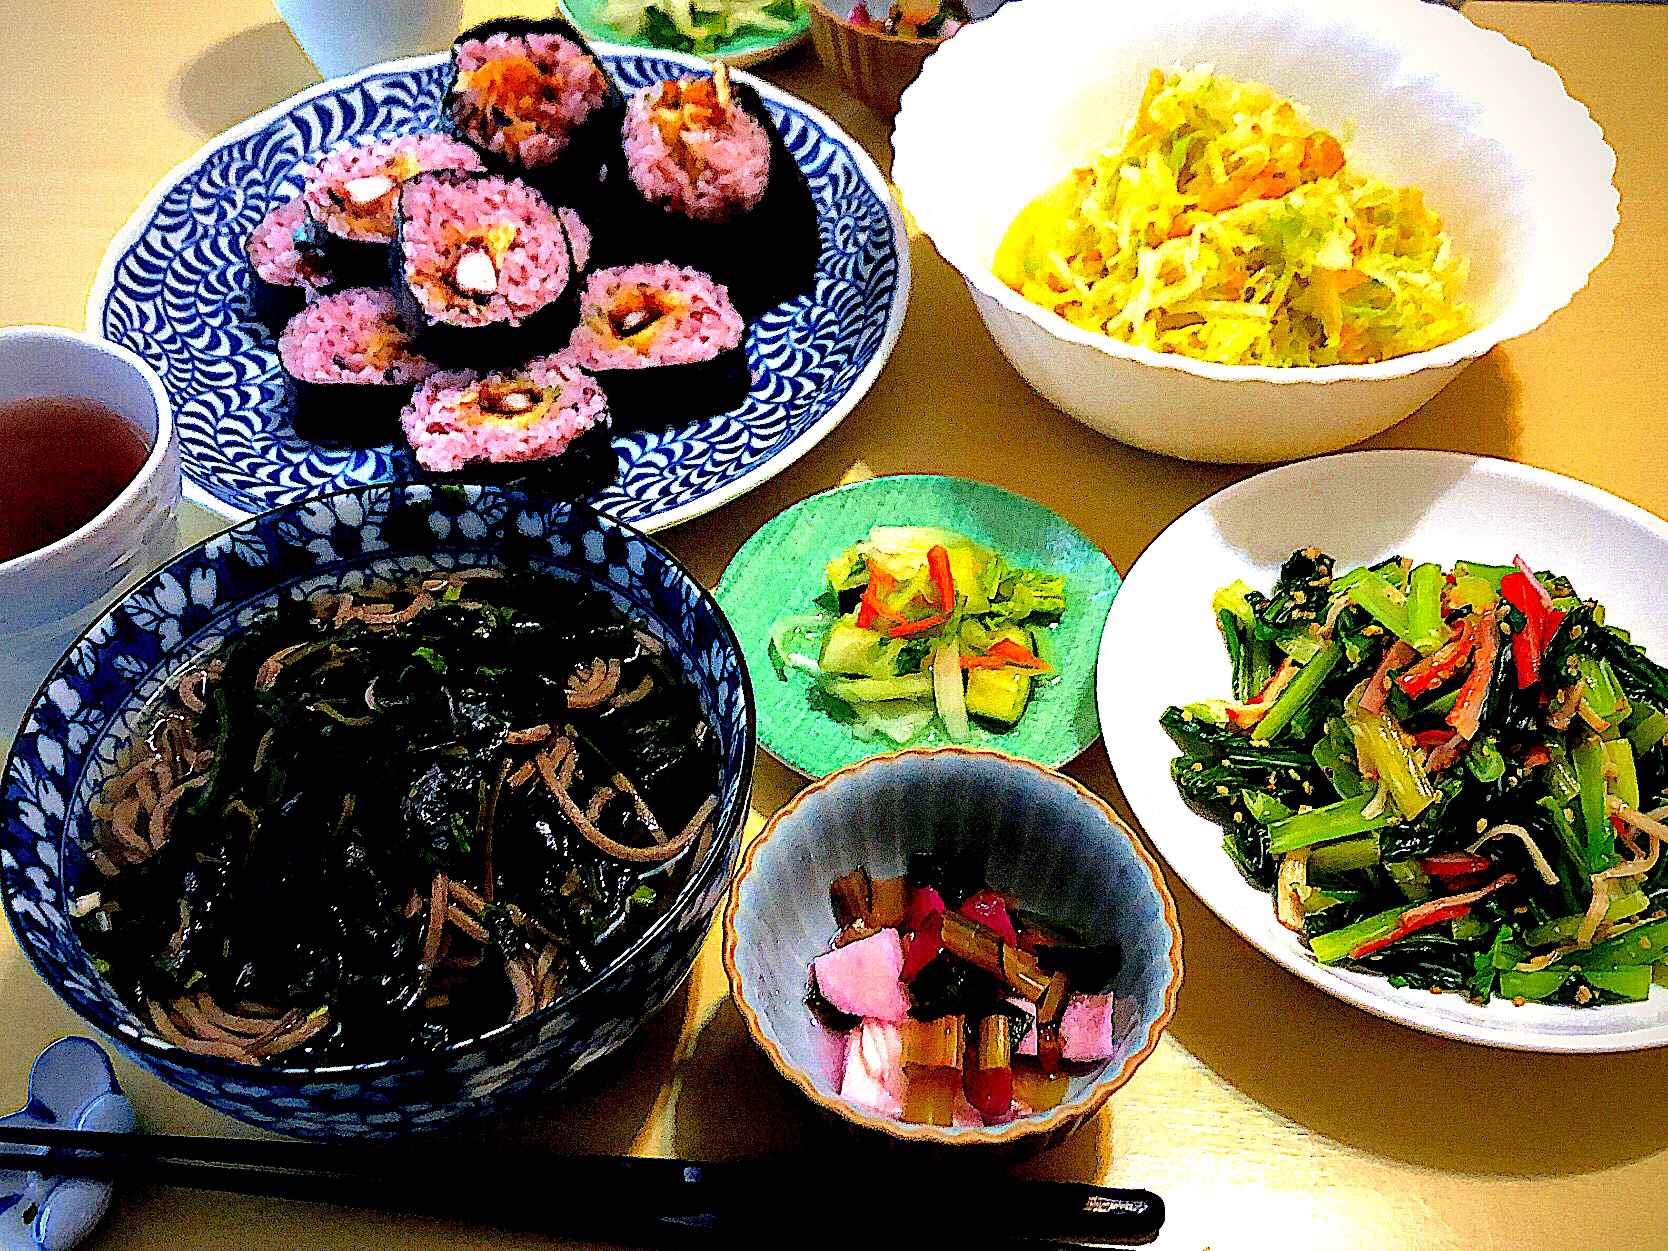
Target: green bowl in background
[780, 571]
[739, 51]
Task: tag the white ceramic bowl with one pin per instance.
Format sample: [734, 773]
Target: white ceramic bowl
[48, 596]
[1437, 506]
[1048, 840]
[1519, 172]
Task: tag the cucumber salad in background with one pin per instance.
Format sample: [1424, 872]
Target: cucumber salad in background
[918, 623]
[1454, 778]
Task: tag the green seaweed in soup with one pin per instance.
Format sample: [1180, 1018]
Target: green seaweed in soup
[393, 819]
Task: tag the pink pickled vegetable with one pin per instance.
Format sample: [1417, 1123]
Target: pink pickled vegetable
[861, 978]
[874, 1076]
[988, 908]
[1028, 1044]
[924, 947]
[924, 903]
[1086, 1028]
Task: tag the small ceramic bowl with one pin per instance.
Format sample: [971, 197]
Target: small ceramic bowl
[91, 703]
[1519, 172]
[48, 596]
[1050, 841]
[870, 64]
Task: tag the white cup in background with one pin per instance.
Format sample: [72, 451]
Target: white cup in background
[49, 595]
[340, 36]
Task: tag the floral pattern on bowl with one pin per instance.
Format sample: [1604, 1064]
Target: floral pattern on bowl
[94, 697]
[174, 288]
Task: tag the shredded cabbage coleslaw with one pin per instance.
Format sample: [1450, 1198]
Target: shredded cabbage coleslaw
[1229, 228]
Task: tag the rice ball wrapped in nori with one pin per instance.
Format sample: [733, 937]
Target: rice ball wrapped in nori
[352, 363]
[709, 183]
[545, 422]
[350, 195]
[535, 101]
[666, 344]
[285, 271]
[482, 268]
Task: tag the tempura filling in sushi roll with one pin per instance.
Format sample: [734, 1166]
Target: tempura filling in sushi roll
[352, 338]
[280, 253]
[639, 316]
[522, 96]
[457, 420]
[477, 250]
[351, 193]
[692, 148]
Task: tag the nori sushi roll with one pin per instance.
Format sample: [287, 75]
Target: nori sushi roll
[533, 99]
[352, 364]
[666, 344]
[708, 182]
[482, 269]
[284, 271]
[350, 195]
[544, 424]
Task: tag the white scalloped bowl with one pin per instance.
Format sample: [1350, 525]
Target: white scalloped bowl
[1518, 170]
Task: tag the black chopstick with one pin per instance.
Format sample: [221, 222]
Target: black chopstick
[658, 1201]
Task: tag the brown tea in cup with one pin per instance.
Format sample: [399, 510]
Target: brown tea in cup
[62, 461]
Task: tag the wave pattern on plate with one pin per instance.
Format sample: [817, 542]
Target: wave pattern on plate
[179, 297]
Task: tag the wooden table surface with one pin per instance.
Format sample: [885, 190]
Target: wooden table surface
[1271, 1115]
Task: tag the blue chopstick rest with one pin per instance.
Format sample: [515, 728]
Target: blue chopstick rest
[71, 1086]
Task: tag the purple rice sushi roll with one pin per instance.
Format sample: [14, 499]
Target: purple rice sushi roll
[665, 343]
[350, 196]
[482, 268]
[535, 101]
[352, 363]
[545, 422]
[709, 183]
[284, 270]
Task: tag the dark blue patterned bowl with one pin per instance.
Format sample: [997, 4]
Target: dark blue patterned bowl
[173, 287]
[91, 701]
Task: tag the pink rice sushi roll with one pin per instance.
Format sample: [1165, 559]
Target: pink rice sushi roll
[709, 183]
[483, 268]
[352, 364]
[535, 101]
[666, 343]
[546, 421]
[351, 192]
[285, 271]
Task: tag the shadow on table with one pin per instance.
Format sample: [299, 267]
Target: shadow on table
[238, 77]
[608, 1103]
[1395, 1092]
[1476, 413]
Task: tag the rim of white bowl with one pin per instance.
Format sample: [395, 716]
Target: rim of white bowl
[142, 479]
[916, 133]
[1066, 1116]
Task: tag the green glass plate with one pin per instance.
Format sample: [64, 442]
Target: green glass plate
[740, 51]
[780, 571]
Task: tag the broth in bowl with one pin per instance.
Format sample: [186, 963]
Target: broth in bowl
[385, 821]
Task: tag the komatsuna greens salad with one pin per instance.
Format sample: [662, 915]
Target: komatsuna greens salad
[1454, 778]
[918, 623]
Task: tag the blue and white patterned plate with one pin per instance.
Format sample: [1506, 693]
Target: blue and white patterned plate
[173, 287]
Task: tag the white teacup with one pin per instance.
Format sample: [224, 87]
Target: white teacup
[340, 36]
[49, 595]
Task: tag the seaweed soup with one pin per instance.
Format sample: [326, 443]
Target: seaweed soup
[382, 822]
